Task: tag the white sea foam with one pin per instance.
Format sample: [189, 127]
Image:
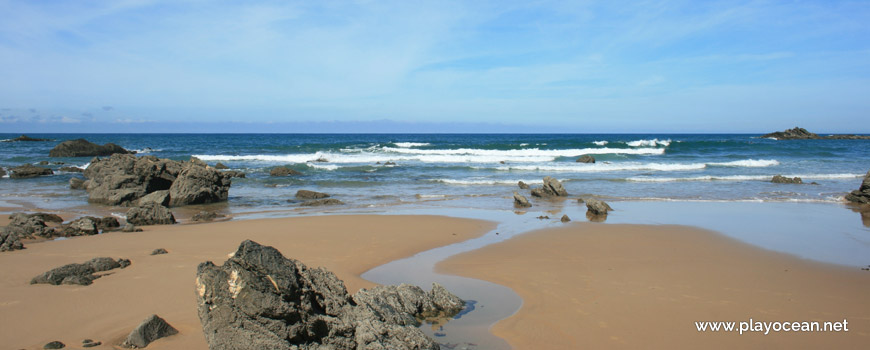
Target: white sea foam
[749, 163]
[411, 144]
[524, 144]
[485, 182]
[649, 143]
[742, 178]
[322, 166]
[146, 150]
[83, 167]
[605, 167]
[600, 143]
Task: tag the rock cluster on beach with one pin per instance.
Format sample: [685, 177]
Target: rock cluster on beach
[259, 299]
[862, 194]
[82, 274]
[85, 148]
[150, 214]
[35, 225]
[123, 179]
[798, 133]
[551, 188]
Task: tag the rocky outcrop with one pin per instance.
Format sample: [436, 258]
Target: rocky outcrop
[779, 179]
[862, 194]
[234, 173]
[259, 299]
[77, 184]
[151, 329]
[551, 188]
[27, 170]
[204, 216]
[597, 207]
[86, 226]
[10, 241]
[150, 214]
[156, 197]
[565, 218]
[84, 148]
[221, 166]
[321, 202]
[23, 225]
[25, 138]
[520, 201]
[523, 185]
[123, 179]
[586, 159]
[283, 171]
[72, 169]
[81, 274]
[306, 194]
[802, 134]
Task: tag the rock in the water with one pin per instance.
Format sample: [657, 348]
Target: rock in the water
[586, 159]
[150, 214]
[553, 187]
[321, 202]
[54, 345]
[802, 134]
[862, 194]
[156, 197]
[221, 166]
[235, 173]
[206, 216]
[389, 163]
[72, 169]
[151, 329]
[521, 201]
[597, 207]
[565, 218]
[259, 299]
[283, 171]
[199, 185]
[25, 138]
[2, 172]
[76, 183]
[159, 251]
[306, 194]
[84, 148]
[523, 185]
[779, 179]
[81, 274]
[27, 170]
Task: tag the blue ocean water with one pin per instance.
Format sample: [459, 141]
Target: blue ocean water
[452, 169]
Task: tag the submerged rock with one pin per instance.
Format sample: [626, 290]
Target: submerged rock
[206, 216]
[523, 185]
[27, 170]
[84, 148]
[25, 138]
[81, 274]
[779, 179]
[283, 171]
[76, 183]
[151, 329]
[862, 194]
[234, 173]
[551, 188]
[150, 214]
[586, 159]
[306, 194]
[259, 299]
[521, 201]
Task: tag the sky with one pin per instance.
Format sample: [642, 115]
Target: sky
[434, 66]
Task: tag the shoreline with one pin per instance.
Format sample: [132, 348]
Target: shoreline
[630, 286]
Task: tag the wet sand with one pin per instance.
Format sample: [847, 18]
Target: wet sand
[638, 286]
[33, 315]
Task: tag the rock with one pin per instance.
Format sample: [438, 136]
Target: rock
[523, 185]
[283, 171]
[597, 207]
[539, 192]
[206, 216]
[76, 183]
[87, 225]
[54, 345]
[779, 179]
[150, 214]
[72, 169]
[25, 138]
[553, 187]
[199, 185]
[156, 197]
[586, 159]
[130, 228]
[27, 170]
[802, 134]
[221, 166]
[23, 225]
[542, 217]
[43, 163]
[259, 299]
[321, 160]
[565, 218]
[321, 202]
[83, 148]
[306, 194]
[151, 329]
[862, 194]
[234, 173]
[46, 217]
[81, 274]
[89, 343]
[124, 178]
[389, 163]
[159, 251]
[2, 172]
[520, 201]
[10, 241]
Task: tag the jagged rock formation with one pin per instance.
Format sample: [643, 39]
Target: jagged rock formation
[597, 207]
[81, 274]
[802, 134]
[27, 170]
[862, 194]
[551, 188]
[306, 194]
[779, 179]
[84, 148]
[520, 201]
[150, 214]
[151, 329]
[586, 159]
[259, 299]
[523, 185]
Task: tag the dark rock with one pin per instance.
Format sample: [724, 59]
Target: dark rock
[235, 173]
[802, 134]
[565, 218]
[27, 170]
[156, 197]
[862, 194]
[130, 228]
[2, 172]
[597, 207]
[520, 201]
[586, 159]
[76, 183]
[83, 148]
[81, 274]
[10, 241]
[539, 192]
[88, 343]
[43, 163]
[221, 166]
[388, 163]
[25, 138]
[23, 225]
[553, 187]
[150, 214]
[259, 299]
[206, 216]
[159, 251]
[523, 185]
[199, 185]
[283, 171]
[321, 160]
[46, 217]
[306, 194]
[321, 202]
[72, 169]
[87, 225]
[54, 345]
[542, 217]
[779, 179]
[151, 329]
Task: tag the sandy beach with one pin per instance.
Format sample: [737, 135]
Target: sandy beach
[634, 286]
[33, 315]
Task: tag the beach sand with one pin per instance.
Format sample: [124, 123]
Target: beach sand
[107, 310]
[602, 286]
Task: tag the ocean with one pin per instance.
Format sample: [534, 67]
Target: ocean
[474, 170]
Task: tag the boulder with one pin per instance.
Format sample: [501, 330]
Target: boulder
[283, 171]
[150, 214]
[565, 218]
[151, 329]
[72, 169]
[523, 185]
[27, 170]
[779, 179]
[159, 251]
[553, 187]
[81, 274]
[10, 241]
[221, 166]
[235, 173]
[76, 183]
[84, 148]
[25, 138]
[54, 345]
[86, 226]
[2, 172]
[520, 201]
[862, 194]
[156, 197]
[259, 299]
[321, 202]
[586, 159]
[23, 225]
[597, 207]
[199, 185]
[130, 228]
[89, 343]
[306, 194]
[206, 216]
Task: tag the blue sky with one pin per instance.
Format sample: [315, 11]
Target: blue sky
[394, 66]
